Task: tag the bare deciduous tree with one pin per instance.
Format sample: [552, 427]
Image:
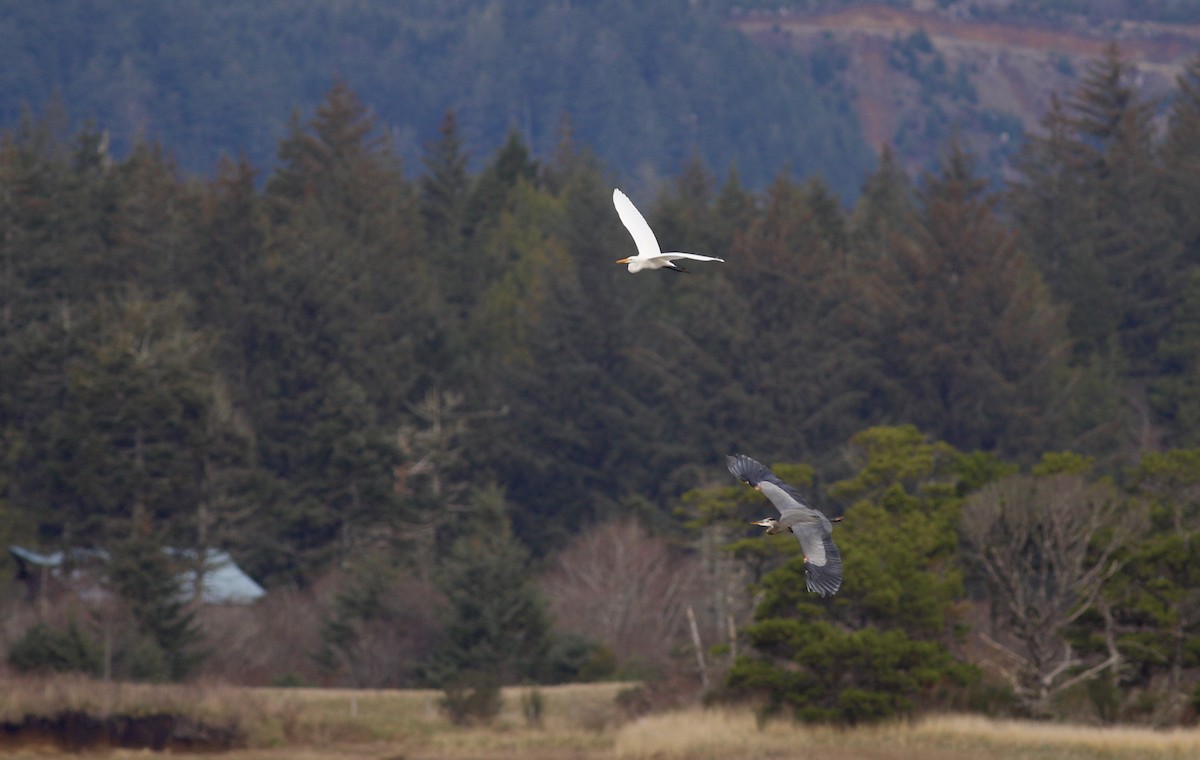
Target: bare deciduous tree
[625, 588]
[1046, 546]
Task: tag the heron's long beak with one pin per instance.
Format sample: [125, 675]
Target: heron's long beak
[623, 261]
[765, 523]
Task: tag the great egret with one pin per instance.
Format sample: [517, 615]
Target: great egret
[650, 255]
[822, 560]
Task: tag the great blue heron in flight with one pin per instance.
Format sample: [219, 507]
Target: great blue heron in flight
[822, 560]
[650, 255]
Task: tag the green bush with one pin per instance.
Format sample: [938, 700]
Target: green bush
[140, 658]
[289, 681]
[43, 649]
[822, 674]
[571, 658]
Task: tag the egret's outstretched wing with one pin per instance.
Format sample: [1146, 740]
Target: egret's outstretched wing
[693, 256]
[633, 220]
[753, 472]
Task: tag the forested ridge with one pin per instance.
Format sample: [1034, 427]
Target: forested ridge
[435, 379]
[645, 85]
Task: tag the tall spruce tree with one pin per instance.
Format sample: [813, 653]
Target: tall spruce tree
[1091, 208]
[497, 624]
[1180, 154]
[1173, 391]
[443, 193]
[1176, 390]
[972, 345]
[145, 577]
[347, 300]
[1133, 242]
[1055, 221]
[884, 211]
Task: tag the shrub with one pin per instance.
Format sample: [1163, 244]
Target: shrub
[43, 649]
[472, 697]
[572, 658]
[824, 674]
[532, 706]
[289, 681]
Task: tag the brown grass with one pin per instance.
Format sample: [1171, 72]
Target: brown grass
[580, 716]
[698, 734]
[231, 712]
[579, 721]
[24, 695]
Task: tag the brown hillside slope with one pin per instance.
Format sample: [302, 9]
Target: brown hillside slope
[1013, 68]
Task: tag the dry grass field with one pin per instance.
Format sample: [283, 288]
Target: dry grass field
[580, 722]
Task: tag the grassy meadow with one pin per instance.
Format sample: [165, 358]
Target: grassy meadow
[580, 722]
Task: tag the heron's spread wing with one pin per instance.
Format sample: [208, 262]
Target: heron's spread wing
[823, 561]
[693, 256]
[633, 220]
[755, 473]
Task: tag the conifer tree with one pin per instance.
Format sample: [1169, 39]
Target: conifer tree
[1051, 208]
[884, 641]
[444, 189]
[969, 336]
[1133, 245]
[229, 279]
[1091, 208]
[1176, 391]
[497, 623]
[511, 164]
[1173, 393]
[685, 216]
[137, 399]
[350, 306]
[782, 386]
[884, 210]
[145, 578]
[153, 225]
[1154, 600]
[1181, 161]
[734, 209]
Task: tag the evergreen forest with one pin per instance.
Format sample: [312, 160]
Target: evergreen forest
[425, 396]
[645, 85]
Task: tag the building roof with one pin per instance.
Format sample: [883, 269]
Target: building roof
[223, 581]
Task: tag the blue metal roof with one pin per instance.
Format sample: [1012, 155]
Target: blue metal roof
[223, 581]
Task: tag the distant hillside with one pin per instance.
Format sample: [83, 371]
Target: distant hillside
[767, 87]
[988, 73]
[645, 85]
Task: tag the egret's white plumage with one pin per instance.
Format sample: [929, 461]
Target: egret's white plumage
[649, 255]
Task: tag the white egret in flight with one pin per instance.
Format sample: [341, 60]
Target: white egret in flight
[822, 560]
[650, 255]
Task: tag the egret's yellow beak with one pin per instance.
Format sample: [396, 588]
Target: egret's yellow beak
[623, 261]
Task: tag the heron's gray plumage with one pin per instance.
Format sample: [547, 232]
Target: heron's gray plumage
[823, 561]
